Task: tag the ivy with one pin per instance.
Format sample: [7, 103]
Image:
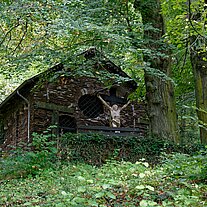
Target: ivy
[97, 148]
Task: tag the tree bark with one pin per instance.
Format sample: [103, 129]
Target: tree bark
[198, 57]
[200, 75]
[159, 91]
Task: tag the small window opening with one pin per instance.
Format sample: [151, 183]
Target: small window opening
[90, 105]
[67, 124]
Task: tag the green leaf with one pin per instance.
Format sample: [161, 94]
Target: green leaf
[140, 187]
[150, 187]
[81, 178]
[63, 193]
[141, 175]
[81, 189]
[90, 181]
[99, 195]
[147, 203]
[146, 164]
[27, 204]
[105, 186]
[111, 195]
[143, 203]
[79, 200]
[92, 203]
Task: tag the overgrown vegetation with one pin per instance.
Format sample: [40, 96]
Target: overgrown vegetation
[24, 160]
[97, 148]
[41, 177]
[114, 184]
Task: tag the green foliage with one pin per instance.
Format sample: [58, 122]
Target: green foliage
[36, 35]
[24, 161]
[182, 15]
[175, 164]
[187, 118]
[6, 87]
[95, 149]
[47, 32]
[113, 184]
[44, 141]
[36, 177]
[185, 20]
[176, 16]
[98, 148]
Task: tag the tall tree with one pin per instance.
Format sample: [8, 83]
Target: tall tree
[198, 54]
[182, 28]
[160, 92]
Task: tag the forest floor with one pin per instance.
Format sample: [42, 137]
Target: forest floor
[180, 180]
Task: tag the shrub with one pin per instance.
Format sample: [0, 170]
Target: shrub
[30, 160]
[192, 167]
[97, 148]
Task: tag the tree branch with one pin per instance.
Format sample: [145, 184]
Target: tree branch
[191, 23]
[5, 36]
[127, 17]
[185, 57]
[22, 38]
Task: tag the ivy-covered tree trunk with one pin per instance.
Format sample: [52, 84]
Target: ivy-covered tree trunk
[159, 89]
[198, 56]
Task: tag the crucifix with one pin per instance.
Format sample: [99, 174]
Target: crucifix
[114, 109]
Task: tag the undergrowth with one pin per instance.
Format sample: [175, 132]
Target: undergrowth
[29, 160]
[39, 177]
[113, 184]
[97, 148]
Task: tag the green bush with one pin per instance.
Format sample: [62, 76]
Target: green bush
[180, 180]
[185, 166]
[25, 161]
[97, 148]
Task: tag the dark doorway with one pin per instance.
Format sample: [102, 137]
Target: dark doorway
[67, 124]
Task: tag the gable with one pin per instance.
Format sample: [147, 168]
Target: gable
[102, 64]
[25, 88]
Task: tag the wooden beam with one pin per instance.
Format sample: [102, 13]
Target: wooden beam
[53, 107]
[104, 128]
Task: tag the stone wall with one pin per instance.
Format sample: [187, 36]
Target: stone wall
[66, 93]
[59, 102]
[15, 125]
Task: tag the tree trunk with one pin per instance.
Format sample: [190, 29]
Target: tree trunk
[198, 57]
[159, 90]
[200, 75]
[199, 65]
